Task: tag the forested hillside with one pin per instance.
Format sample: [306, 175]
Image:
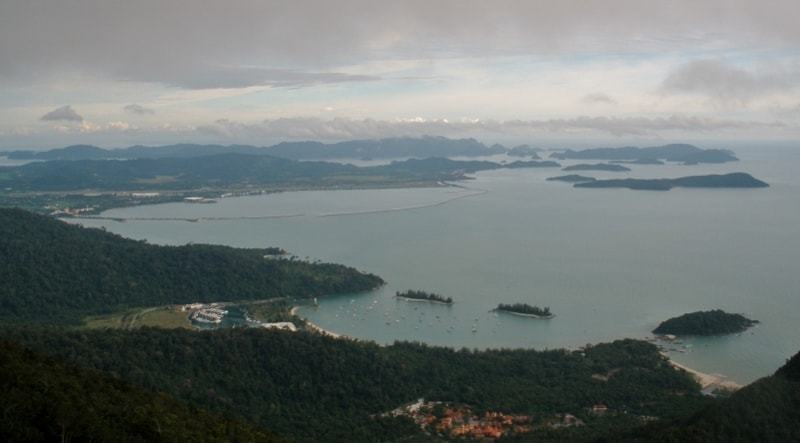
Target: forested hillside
[309, 387]
[53, 272]
[45, 400]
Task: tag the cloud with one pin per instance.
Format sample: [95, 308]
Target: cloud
[138, 110]
[724, 82]
[262, 42]
[345, 128]
[243, 77]
[64, 113]
[598, 99]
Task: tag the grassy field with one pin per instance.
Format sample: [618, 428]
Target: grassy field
[269, 311]
[163, 317]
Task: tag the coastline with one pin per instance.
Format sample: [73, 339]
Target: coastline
[178, 195]
[317, 328]
[708, 382]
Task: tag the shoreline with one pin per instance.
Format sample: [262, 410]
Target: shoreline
[708, 382]
[540, 317]
[317, 328]
[422, 300]
[414, 185]
[178, 195]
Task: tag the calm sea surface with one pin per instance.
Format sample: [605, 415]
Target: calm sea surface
[610, 263]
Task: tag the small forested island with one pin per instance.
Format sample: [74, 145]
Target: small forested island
[526, 310]
[572, 178]
[424, 296]
[734, 180]
[712, 322]
[597, 167]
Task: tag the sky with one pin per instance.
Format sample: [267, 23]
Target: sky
[116, 73]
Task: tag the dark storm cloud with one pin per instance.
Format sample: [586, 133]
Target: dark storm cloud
[64, 113]
[203, 44]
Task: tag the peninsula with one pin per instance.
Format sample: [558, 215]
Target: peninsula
[714, 322]
[526, 310]
[733, 180]
[424, 296]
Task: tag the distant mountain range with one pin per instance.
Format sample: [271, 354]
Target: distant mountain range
[356, 149]
[399, 147]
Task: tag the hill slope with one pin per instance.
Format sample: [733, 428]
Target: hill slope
[314, 388]
[766, 410]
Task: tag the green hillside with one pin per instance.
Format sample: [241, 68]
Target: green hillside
[766, 410]
[45, 400]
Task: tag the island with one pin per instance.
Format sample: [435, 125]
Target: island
[682, 153]
[597, 167]
[733, 180]
[640, 161]
[714, 322]
[572, 178]
[524, 151]
[424, 296]
[526, 310]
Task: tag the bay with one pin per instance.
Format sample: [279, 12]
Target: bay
[610, 263]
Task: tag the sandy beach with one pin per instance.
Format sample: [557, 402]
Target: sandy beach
[315, 327]
[708, 382]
